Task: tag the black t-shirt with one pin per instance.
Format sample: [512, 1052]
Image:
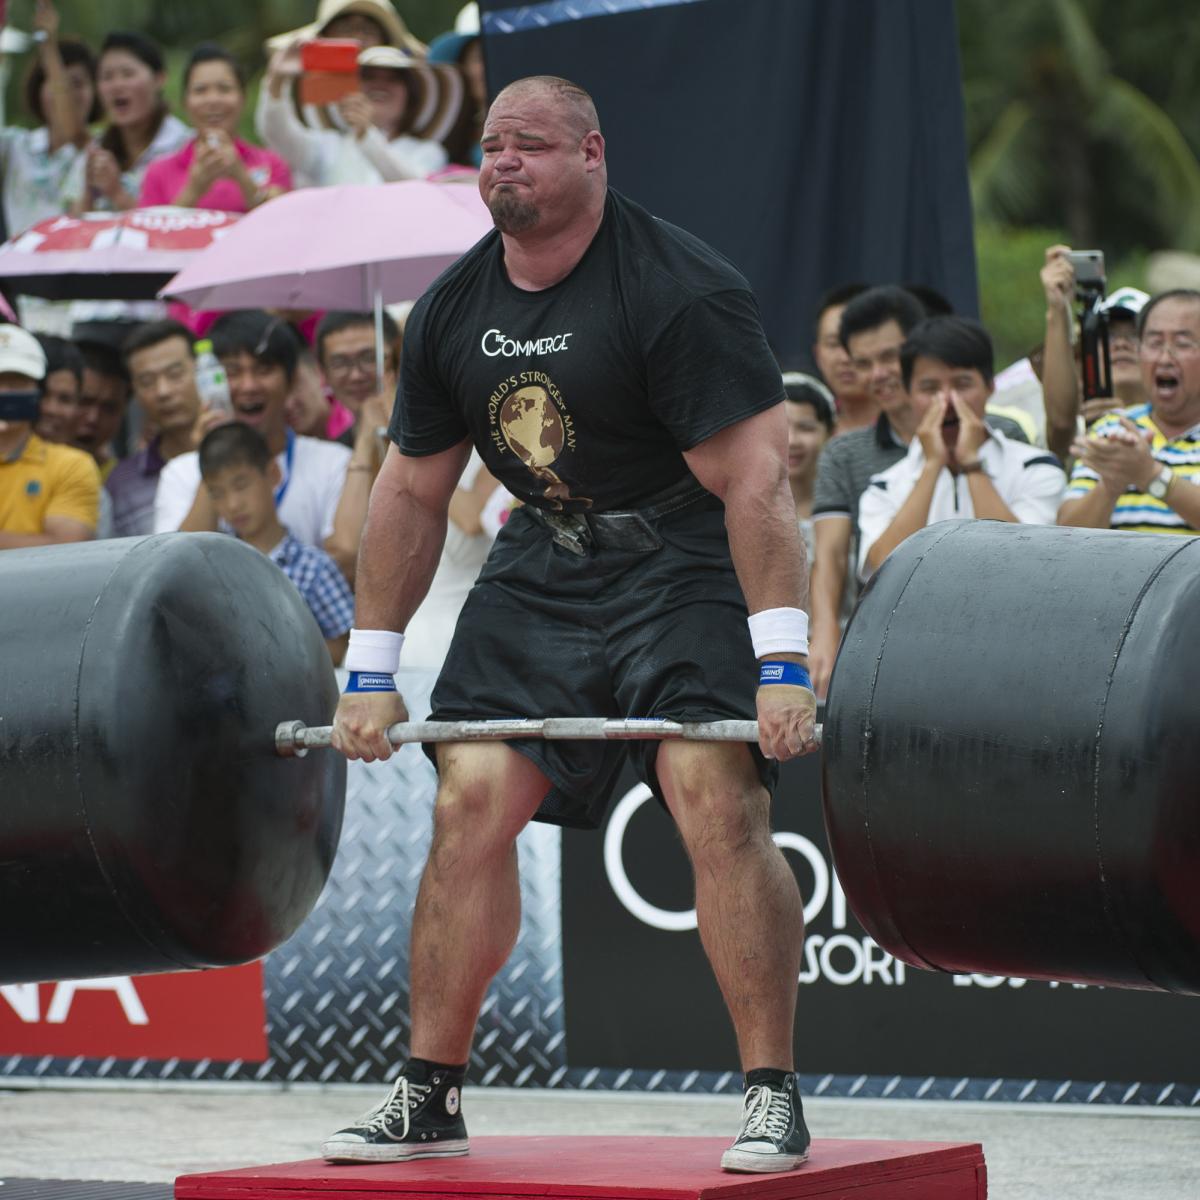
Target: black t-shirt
[582, 396]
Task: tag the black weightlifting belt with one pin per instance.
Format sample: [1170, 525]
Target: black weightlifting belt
[631, 530]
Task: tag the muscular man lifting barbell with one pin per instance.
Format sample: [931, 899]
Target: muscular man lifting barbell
[612, 371]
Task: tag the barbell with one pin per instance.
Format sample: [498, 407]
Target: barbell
[296, 738]
[1008, 756]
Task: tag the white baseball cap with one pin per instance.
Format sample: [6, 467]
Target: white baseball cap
[1129, 300]
[21, 353]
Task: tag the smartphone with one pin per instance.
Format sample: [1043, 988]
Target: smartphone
[329, 70]
[1089, 267]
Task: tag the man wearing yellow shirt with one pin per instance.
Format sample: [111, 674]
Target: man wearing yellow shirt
[48, 494]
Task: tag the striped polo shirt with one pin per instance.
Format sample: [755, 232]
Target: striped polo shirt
[1134, 509]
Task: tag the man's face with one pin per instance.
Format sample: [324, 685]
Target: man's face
[13, 430]
[101, 406]
[875, 354]
[60, 405]
[164, 382]
[348, 360]
[1170, 353]
[536, 165]
[933, 380]
[244, 497]
[258, 391]
[831, 357]
[1123, 349]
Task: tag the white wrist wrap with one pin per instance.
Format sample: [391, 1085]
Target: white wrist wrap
[775, 631]
[374, 650]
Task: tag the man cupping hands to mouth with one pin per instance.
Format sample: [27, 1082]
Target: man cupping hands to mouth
[956, 466]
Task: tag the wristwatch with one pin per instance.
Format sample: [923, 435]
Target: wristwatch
[1160, 484]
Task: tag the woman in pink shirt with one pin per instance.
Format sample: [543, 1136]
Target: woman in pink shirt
[217, 169]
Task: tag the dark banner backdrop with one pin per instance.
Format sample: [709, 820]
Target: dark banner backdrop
[812, 143]
[638, 993]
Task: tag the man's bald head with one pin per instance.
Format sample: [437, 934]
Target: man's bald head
[576, 106]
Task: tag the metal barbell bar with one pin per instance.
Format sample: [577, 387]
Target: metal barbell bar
[293, 739]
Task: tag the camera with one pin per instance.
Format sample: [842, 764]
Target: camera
[1094, 361]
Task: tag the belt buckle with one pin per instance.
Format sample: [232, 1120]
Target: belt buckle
[570, 532]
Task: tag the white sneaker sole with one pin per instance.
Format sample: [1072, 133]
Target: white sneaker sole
[367, 1152]
[744, 1160]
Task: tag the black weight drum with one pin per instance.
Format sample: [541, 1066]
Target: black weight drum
[146, 822]
[1010, 756]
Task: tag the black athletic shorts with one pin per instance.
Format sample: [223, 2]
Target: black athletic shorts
[546, 632]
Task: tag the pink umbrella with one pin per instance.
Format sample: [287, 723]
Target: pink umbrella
[108, 256]
[347, 247]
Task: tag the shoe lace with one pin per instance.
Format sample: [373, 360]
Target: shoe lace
[404, 1097]
[767, 1112]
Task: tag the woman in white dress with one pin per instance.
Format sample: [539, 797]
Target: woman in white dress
[375, 143]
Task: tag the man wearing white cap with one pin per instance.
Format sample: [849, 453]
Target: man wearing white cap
[48, 494]
[1061, 386]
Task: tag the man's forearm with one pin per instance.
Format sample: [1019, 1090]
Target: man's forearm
[1184, 497]
[1060, 383]
[20, 541]
[830, 564]
[342, 545]
[986, 501]
[201, 517]
[401, 544]
[765, 543]
[912, 515]
[1093, 511]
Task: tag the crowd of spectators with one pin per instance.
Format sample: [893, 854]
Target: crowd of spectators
[903, 420]
[103, 430]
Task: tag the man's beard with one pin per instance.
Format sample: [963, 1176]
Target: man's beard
[511, 214]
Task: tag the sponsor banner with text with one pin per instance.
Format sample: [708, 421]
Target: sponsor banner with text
[195, 1015]
[638, 992]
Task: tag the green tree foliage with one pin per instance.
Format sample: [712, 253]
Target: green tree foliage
[1082, 114]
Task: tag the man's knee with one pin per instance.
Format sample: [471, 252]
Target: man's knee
[487, 793]
[716, 797]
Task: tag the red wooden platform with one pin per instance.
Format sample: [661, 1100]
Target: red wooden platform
[616, 1168]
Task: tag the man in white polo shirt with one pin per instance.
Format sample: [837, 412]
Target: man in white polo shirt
[259, 353]
[955, 466]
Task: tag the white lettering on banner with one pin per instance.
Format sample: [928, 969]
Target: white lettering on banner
[840, 959]
[23, 998]
[858, 960]
[988, 981]
[496, 343]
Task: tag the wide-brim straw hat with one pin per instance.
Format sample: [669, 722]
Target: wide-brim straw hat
[441, 93]
[393, 26]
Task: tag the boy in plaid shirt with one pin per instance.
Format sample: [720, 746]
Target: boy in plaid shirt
[243, 482]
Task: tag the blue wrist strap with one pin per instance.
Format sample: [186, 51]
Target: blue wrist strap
[790, 673]
[367, 681]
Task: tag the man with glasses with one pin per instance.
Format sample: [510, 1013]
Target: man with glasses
[1137, 468]
[346, 352]
[345, 346]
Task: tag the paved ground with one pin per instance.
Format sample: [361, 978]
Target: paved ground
[154, 1134]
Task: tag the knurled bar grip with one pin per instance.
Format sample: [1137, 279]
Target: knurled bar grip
[294, 738]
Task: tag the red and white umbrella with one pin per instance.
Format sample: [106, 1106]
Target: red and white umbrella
[109, 256]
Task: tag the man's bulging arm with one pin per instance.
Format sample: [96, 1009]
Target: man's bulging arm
[404, 534]
[746, 466]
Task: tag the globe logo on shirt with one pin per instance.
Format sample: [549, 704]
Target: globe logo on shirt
[530, 418]
[532, 427]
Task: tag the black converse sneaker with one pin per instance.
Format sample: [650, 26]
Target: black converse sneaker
[419, 1119]
[773, 1136]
